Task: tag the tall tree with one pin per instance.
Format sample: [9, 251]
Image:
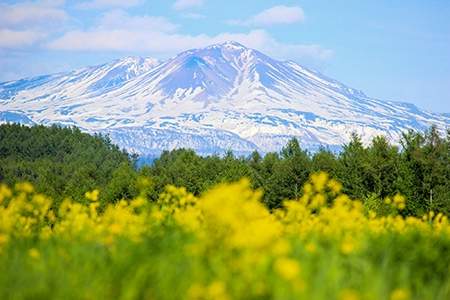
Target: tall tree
[353, 167]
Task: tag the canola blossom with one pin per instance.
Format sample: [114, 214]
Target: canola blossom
[224, 244]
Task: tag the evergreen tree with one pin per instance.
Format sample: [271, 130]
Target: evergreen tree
[352, 168]
[382, 162]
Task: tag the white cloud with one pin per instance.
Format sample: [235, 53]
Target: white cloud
[186, 4]
[118, 31]
[31, 13]
[108, 3]
[120, 20]
[19, 38]
[193, 16]
[261, 40]
[51, 2]
[26, 23]
[272, 16]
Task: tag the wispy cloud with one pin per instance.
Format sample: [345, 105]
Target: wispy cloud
[19, 38]
[27, 23]
[193, 16]
[30, 13]
[33, 23]
[121, 20]
[119, 31]
[273, 16]
[186, 4]
[95, 4]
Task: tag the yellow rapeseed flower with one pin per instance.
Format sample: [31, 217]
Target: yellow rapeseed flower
[319, 180]
[311, 247]
[335, 186]
[287, 268]
[34, 253]
[281, 247]
[348, 245]
[3, 239]
[92, 195]
[399, 201]
[400, 294]
[138, 202]
[5, 192]
[349, 294]
[217, 290]
[25, 187]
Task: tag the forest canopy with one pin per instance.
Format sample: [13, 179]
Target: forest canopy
[64, 162]
[61, 162]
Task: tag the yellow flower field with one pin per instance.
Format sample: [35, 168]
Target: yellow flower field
[223, 245]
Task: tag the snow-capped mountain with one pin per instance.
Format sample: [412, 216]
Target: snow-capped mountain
[221, 97]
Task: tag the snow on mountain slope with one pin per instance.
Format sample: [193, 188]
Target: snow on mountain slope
[86, 81]
[224, 96]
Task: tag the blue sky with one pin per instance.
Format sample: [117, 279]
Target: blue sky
[390, 49]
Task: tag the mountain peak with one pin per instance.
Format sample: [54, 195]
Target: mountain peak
[230, 45]
[143, 62]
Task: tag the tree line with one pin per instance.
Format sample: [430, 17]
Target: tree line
[64, 162]
[60, 162]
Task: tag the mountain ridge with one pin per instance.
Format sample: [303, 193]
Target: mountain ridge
[224, 96]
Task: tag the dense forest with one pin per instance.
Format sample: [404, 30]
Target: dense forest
[64, 162]
[61, 162]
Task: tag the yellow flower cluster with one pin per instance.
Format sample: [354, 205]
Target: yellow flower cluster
[398, 201]
[28, 214]
[215, 290]
[22, 212]
[229, 219]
